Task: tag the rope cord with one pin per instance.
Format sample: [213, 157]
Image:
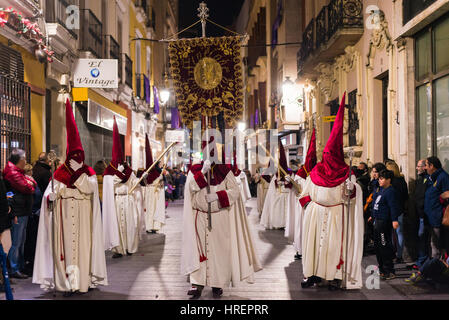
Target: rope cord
[176, 34]
[224, 28]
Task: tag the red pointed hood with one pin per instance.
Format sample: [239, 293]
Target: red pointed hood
[311, 158]
[148, 152]
[117, 151]
[333, 170]
[75, 151]
[282, 157]
[74, 147]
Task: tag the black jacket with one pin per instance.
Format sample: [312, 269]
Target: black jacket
[42, 175]
[420, 194]
[401, 188]
[364, 181]
[5, 219]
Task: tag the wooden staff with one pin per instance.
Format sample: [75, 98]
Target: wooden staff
[145, 174]
[293, 182]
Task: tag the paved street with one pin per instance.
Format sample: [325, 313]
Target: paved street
[153, 273]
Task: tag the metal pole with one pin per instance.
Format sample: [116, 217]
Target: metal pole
[52, 157]
[348, 193]
[203, 15]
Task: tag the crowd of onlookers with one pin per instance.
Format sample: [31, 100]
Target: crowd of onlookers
[400, 224]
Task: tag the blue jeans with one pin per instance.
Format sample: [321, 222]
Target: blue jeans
[400, 237]
[16, 253]
[423, 246]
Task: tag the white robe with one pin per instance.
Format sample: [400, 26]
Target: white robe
[154, 205]
[121, 214]
[322, 235]
[229, 247]
[292, 212]
[262, 190]
[299, 218]
[78, 239]
[244, 187]
[275, 209]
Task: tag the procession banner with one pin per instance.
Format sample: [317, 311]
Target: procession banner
[208, 79]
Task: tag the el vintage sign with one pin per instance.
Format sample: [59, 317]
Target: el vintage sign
[96, 73]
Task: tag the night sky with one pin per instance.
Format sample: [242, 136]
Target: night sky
[223, 12]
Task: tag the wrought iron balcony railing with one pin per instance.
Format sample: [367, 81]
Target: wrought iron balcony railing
[339, 15]
[91, 31]
[112, 51]
[128, 70]
[56, 12]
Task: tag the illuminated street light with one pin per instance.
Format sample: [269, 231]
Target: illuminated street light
[242, 126]
[165, 96]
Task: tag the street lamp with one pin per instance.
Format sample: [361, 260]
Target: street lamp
[242, 126]
[288, 89]
[165, 96]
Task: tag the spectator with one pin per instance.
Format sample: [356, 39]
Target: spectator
[373, 187]
[423, 245]
[435, 270]
[400, 185]
[42, 172]
[437, 185]
[99, 169]
[386, 211]
[23, 189]
[32, 225]
[182, 183]
[5, 222]
[363, 179]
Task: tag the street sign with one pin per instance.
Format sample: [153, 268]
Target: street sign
[329, 119]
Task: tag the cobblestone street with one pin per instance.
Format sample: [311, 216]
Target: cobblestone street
[153, 273]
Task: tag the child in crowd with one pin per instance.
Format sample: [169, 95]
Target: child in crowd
[385, 213]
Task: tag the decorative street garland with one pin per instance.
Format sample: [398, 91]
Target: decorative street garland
[24, 28]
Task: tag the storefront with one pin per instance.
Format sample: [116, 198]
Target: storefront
[432, 91]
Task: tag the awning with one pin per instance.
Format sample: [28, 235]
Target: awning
[84, 94]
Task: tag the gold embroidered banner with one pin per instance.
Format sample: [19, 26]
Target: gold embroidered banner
[207, 74]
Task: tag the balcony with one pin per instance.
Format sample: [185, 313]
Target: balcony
[27, 8]
[112, 51]
[128, 71]
[338, 25]
[56, 12]
[91, 33]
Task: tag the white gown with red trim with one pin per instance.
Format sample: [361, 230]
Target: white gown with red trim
[262, 190]
[229, 247]
[299, 217]
[322, 242]
[154, 205]
[244, 187]
[276, 207]
[78, 235]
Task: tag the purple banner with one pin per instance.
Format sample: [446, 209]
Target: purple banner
[175, 123]
[156, 100]
[146, 83]
[257, 118]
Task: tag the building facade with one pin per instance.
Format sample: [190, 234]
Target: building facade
[78, 29]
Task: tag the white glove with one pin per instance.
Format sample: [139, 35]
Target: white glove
[211, 197]
[288, 179]
[75, 165]
[121, 168]
[349, 185]
[52, 197]
[144, 176]
[206, 167]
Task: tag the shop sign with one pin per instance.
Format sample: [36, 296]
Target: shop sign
[96, 73]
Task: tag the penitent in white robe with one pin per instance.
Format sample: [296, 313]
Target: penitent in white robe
[322, 241]
[77, 261]
[299, 218]
[275, 209]
[262, 190]
[293, 211]
[154, 205]
[244, 187]
[122, 214]
[229, 247]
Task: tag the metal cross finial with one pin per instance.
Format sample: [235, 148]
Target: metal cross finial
[203, 15]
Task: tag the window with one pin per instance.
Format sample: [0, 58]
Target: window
[411, 8]
[432, 91]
